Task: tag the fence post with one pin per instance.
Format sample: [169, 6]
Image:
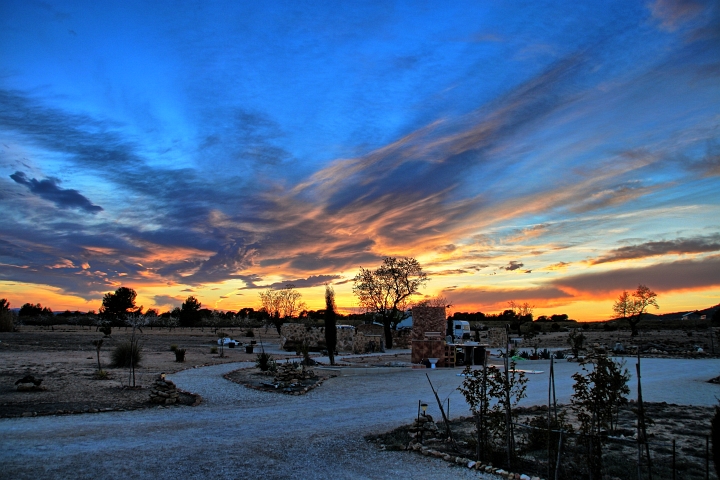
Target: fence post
[673, 459]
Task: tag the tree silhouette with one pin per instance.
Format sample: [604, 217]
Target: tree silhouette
[115, 306]
[632, 306]
[387, 290]
[190, 312]
[330, 327]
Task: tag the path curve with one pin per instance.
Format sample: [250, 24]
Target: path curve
[241, 432]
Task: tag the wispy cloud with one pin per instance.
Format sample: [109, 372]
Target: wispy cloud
[678, 246]
[662, 277]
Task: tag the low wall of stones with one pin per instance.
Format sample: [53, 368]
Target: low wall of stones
[294, 334]
[497, 337]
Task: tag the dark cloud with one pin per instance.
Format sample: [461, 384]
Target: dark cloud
[679, 246]
[513, 265]
[498, 298]
[663, 277]
[167, 301]
[48, 189]
[312, 281]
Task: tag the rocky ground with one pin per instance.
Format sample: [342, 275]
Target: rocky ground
[687, 426]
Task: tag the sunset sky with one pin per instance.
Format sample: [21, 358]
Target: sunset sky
[553, 153]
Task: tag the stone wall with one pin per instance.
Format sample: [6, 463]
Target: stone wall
[294, 334]
[497, 337]
[428, 319]
[368, 343]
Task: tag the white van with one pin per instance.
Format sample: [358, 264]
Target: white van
[461, 330]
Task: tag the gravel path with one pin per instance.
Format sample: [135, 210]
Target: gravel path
[242, 433]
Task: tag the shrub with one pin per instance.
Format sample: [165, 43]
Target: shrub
[126, 354]
[6, 316]
[555, 327]
[250, 333]
[265, 362]
[179, 354]
[106, 329]
[213, 350]
[559, 354]
[173, 347]
[545, 354]
[101, 375]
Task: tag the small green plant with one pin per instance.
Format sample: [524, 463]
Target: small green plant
[179, 354]
[599, 392]
[576, 340]
[213, 350]
[304, 350]
[173, 347]
[102, 375]
[265, 362]
[126, 355]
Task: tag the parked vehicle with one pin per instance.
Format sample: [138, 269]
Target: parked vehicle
[460, 330]
[228, 341]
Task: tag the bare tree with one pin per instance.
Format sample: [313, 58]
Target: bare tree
[387, 290]
[281, 304]
[632, 306]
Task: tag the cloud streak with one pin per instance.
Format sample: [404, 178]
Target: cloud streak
[680, 246]
[48, 189]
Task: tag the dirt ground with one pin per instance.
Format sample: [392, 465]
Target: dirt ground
[65, 359]
[653, 343]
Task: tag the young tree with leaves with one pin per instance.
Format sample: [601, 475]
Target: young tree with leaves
[386, 291]
[599, 392]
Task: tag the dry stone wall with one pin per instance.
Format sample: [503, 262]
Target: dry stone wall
[294, 334]
[428, 319]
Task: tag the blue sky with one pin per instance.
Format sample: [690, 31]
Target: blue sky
[549, 152]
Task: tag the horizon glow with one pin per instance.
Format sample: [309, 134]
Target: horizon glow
[534, 152]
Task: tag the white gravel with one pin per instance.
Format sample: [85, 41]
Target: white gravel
[242, 433]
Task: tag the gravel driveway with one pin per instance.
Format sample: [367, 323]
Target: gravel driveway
[242, 433]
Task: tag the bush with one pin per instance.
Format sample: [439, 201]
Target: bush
[213, 350]
[125, 355]
[559, 354]
[101, 375]
[179, 354]
[250, 333]
[264, 362]
[173, 347]
[545, 354]
[6, 321]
